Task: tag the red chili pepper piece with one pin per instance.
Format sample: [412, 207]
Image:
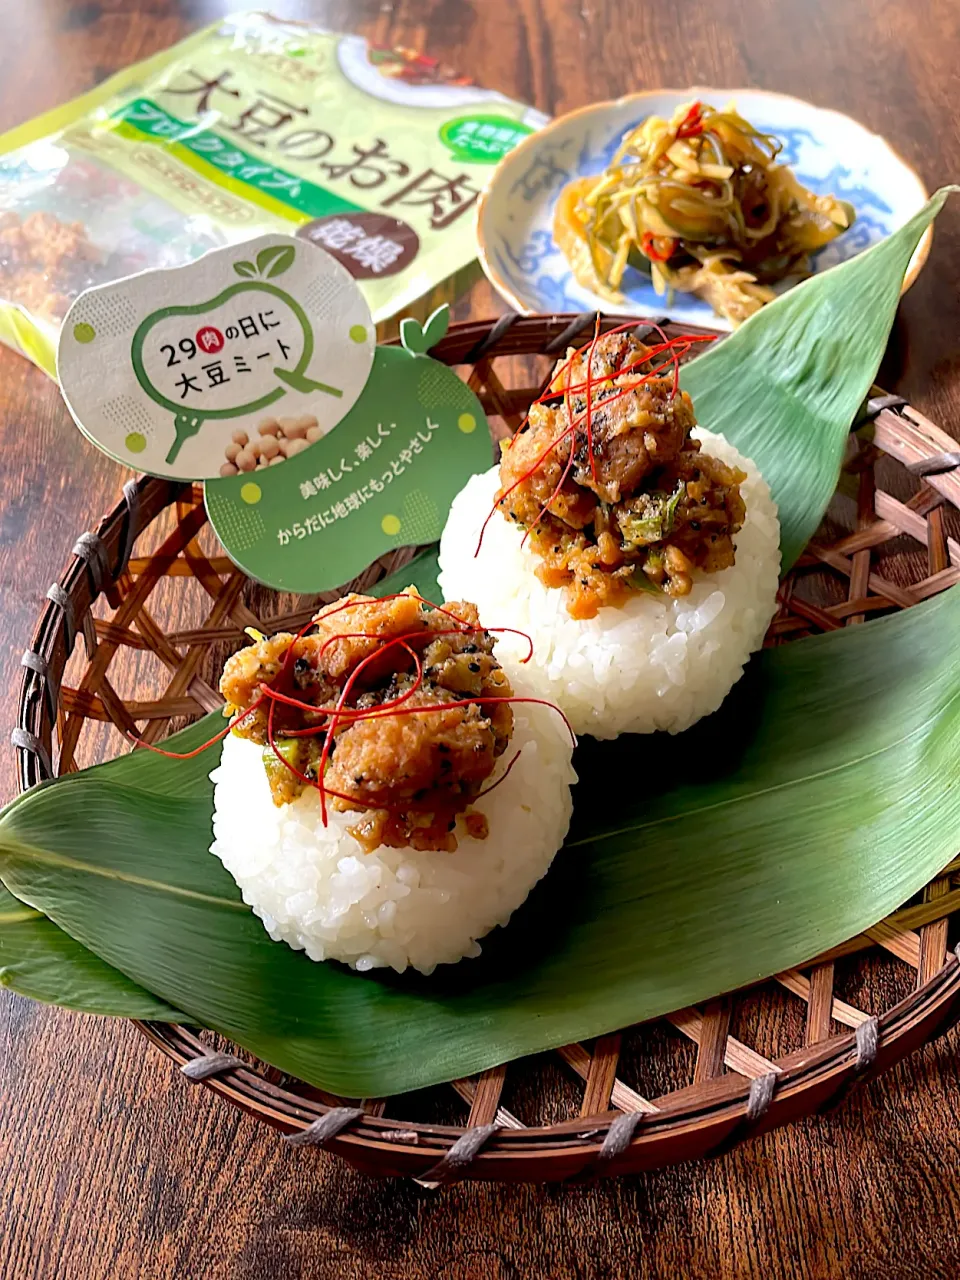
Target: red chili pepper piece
[648, 243]
[692, 123]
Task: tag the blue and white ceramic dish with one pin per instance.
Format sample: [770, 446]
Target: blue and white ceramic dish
[829, 152]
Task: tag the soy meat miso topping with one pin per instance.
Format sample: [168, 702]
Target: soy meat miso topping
[614, 494]
[391, 708]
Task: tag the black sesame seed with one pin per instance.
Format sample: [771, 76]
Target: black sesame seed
[301, 666]
[695, 525]
[473, 666]
[357, 779]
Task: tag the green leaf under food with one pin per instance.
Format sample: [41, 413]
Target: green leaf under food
[41, 961]
[785, 387]
[422, 572]
[820, 797]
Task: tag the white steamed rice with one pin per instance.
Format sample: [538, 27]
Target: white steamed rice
[656, 663]
[316, 889]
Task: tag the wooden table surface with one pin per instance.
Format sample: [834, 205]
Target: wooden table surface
[110, 1164]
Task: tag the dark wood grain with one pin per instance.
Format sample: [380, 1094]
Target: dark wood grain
[111, 1165]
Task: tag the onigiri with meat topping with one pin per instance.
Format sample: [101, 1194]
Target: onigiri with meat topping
[384, 797]
[637, 550]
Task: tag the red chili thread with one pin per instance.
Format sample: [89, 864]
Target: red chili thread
[310, 782]
[553, 497]
[396, 595]
[352, 713]
[347, 688]
[275, 696]
[481, 700]
[678, 347]
[589, 388]
[189, 755]
[385, 709]
[374, 713]
[503, 777]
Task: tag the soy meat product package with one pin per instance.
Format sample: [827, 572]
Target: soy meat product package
[251, 126]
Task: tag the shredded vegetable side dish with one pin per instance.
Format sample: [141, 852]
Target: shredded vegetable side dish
[700, 203]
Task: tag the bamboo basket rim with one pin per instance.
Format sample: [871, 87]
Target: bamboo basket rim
[618, 1131]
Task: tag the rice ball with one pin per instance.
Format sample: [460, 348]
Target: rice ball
[316, 888]
[658, 662]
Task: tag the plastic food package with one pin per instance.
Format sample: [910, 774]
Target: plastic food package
[250, 126]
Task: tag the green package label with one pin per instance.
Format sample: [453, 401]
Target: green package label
[384, 477]
[483, 139]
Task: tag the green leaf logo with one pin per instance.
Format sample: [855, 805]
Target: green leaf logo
[436, 327]
[412, 336]
[275, 260]
[245, 268]
[419, 339]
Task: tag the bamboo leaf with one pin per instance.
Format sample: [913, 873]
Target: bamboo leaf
[41, 961]
[785, 387]
[422, 572]
[819, 798]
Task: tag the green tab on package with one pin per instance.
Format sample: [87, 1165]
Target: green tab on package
[482, 139]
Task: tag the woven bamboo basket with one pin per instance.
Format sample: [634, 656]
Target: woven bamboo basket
[158, 608]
